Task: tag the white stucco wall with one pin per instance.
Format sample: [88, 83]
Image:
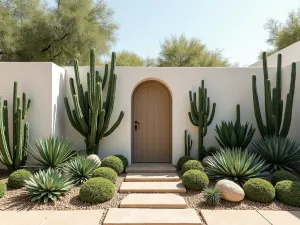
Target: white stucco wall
[226, 86]
[289, 54]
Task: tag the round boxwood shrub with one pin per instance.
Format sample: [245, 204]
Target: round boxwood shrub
[191, 165]
[107, 173]
[259, 190]
[124, 160]
[17, 178]
[281, 175]
[195, 180]
[97, 190]
[2, 189]
[113, 162]
[182, 160]
[288, 192]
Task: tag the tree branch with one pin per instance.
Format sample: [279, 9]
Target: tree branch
[57, 40]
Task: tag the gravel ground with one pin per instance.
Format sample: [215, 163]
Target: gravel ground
[16, 199]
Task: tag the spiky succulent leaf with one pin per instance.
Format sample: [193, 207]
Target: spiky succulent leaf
[80, 169]
[48, 185]
[281, 153]
[52, 152]
[235, 164]
[212, 196]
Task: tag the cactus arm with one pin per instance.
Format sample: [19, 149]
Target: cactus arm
[5, 154]
[19, 146]
[194, 112]
[25, 144]
[192, 119]
[269, 111]
[204, 126]
[208, 106]
[105, 76]
[212, 114]
[79, 115]
[117, 123]
[5, 125]
[92, 71]
[257, 108]
[101, 122]
[71, 118]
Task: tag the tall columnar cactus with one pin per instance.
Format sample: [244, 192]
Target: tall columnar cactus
[14, 156]
[91, 114]
[200, 114]
[187, 143]
[274, 103]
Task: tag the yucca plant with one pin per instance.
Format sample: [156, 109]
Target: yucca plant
[52, 152]
[236, 164]
[212, 196]
[80, 169]
[280, 152]
[48, 185]
[234, 135]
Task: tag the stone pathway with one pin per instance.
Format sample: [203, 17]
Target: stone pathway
[250, 217]
[148, 207]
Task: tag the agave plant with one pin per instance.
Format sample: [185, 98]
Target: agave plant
[234, 135]
[80, 169]
[48, 185]
[212, 196]
[52, 152]
[236, 164]
[280, 152]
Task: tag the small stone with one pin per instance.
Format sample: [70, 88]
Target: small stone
[94, 157]
[230, 191]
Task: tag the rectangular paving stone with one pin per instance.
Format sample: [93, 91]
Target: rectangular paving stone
[76, 217]
[233, 217]
[152, 187]
[281, 217]
[171, 201]
[151, 168]
[152, 177]
[119, 216]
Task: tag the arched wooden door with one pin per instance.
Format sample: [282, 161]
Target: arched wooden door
[151, 118]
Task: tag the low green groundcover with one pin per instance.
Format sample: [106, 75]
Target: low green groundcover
[107, 173]
[113, 162]
[2, 189]
[97, 190]
[288, 192]
[281, 175]
[191, 165]
[259, 190]
[195, 180]
[17, 178]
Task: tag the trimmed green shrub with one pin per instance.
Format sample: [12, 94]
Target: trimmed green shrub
[259, 190]
[212, 196]
[80, 169]
[124, 161]
[237, 165]
[113, 162]
[195, 180]
[107, 173]
[17, 178]
[182, 160]
[191, 165]
[2, 189]
[281, 175]
[97, 190]
[288, 192]
[49, 185]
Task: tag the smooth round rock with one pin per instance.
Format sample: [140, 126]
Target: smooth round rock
[95, 158]
[230, 191]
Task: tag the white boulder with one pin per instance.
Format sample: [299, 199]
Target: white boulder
[94, 157]
[230, 191]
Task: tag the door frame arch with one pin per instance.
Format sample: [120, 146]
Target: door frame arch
[135, 90]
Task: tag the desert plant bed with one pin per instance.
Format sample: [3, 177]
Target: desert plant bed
[17, 199]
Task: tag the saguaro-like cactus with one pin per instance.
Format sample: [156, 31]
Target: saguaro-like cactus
[187, 143]
[91, 115]
[14, 156]
[200, 113]
[274, 103]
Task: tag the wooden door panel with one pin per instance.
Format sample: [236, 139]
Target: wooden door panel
[152, 110]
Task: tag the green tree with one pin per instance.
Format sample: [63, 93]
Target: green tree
[126, 58]
[150, 62]
[35, 31]
[183, 52]
[282, 35]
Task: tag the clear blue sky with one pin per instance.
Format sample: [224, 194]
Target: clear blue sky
[234, 26]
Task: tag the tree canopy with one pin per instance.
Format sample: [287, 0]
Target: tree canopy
[35, 31]
[281, 35]
[127, 58]
[183, 52]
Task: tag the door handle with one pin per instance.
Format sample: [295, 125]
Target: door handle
[136, 125]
